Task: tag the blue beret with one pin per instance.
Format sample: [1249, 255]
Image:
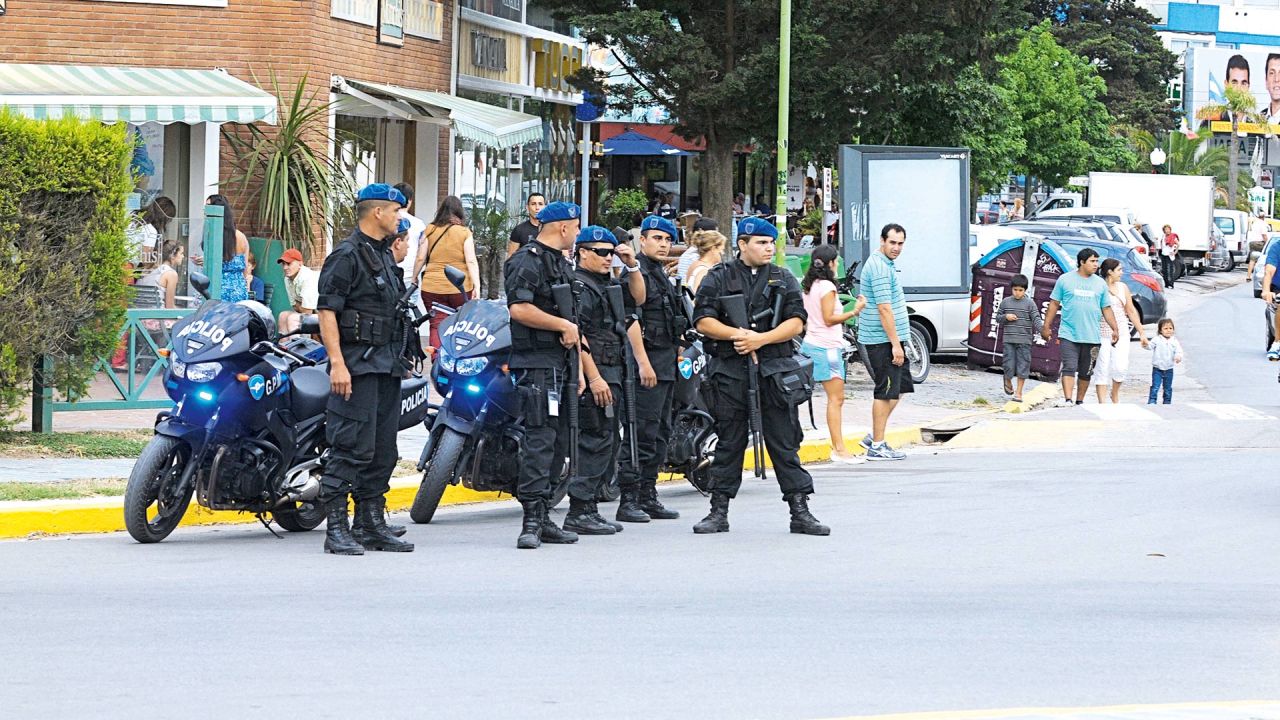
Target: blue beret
[757, 226]
[653, 222]
[559, 211]
[595, 234]
[402, 226]
[382, 191]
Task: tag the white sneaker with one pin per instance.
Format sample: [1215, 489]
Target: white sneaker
[848, 459]
[1066, 403]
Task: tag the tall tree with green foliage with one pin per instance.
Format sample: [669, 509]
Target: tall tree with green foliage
[1242, 107]
[1118, 38]
[1056, 97]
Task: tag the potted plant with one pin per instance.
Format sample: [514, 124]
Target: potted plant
[491, 228]
[623, 208]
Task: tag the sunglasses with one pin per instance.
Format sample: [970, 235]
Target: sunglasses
[602, 252]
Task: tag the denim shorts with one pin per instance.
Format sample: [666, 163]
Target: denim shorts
[828, 363]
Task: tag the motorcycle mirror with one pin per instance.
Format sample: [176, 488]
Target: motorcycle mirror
[309, 325]
[200, 282]
[456, 277]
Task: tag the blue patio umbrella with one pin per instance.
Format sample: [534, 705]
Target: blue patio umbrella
[634, 143]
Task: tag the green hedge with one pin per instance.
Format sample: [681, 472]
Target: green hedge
[63, 186]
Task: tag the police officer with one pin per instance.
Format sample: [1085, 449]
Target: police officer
[599, 413]
[761, 283]
[360, 287]
[654, 344]
[541, 335]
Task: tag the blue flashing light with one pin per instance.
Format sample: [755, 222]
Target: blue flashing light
[474, 389]
[205, 395]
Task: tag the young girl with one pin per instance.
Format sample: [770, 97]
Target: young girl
[824, 340]
[1166, 352]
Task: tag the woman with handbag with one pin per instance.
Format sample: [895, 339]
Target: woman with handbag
[447, 241]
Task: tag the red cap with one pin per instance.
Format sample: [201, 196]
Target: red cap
[290, 255]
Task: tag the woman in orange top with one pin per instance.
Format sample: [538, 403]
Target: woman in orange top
[446, 241]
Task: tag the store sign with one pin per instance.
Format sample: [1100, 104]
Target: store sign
[488, 52]
[1266, 179]
[554, 63]
[1209, 71]
[391, 22]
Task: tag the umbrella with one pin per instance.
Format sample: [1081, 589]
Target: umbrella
[634, 143]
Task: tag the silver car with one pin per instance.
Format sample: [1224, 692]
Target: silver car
[1260, 264]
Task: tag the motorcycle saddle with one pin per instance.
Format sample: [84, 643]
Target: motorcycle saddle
[310, 392]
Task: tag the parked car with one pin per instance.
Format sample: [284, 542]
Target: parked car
[1219, 257]
[1146, 286]
[1234, 226]
[1260, 266]
[1101, 229]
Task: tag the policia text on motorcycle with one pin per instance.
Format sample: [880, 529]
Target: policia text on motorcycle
[654, 342]
[360, 289]
[605, 310]
[543, 331]
[755, 351]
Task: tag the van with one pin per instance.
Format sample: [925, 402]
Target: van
[1234, 225]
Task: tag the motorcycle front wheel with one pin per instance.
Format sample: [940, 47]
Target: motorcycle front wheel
[153, 503]
[440, 469]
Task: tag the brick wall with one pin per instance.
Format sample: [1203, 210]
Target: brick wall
[251, 39]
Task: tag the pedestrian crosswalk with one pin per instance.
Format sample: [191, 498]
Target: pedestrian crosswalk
[1189, 411]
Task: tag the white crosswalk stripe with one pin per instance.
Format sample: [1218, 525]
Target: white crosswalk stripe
[1228, 411]
[1123, 411]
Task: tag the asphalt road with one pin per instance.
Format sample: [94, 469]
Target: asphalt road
[1020, 576]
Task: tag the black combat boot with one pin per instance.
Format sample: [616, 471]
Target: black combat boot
[650, 504]
[530, 526]
[551, 533]
[583, 522]
[629, 507]
[716, 521]
[802, 521]
[370, 527]
[397, 530]
[337, 536]
[595, 513]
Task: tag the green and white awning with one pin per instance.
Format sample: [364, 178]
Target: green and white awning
[132, 94]
[476, 121]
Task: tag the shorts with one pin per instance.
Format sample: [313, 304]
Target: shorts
[1113, 361]
[891, 380]
[1078, 358]
[1017, 360]
[828, 363]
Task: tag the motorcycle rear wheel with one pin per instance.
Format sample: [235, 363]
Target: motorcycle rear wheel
[440, 470]
[151, 484]
[299, 517]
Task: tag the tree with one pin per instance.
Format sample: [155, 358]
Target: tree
[1118, 38]
[1184, 156]
[1240, 106]
[1055, 95]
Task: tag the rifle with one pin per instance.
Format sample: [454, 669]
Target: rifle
[735, 308]
[616, 306]
[562, 294]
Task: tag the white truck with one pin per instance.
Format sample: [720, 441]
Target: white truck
[1183, 202]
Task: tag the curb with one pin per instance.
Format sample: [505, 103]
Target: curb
[23, 519]
[1038, 395]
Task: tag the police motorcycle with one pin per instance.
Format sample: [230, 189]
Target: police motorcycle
[476, 432]
[247, 430]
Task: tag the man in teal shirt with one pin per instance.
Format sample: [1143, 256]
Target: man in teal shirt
[882, 332]
[1083, 298]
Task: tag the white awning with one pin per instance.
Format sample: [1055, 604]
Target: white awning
[132, 94]
[480, 122]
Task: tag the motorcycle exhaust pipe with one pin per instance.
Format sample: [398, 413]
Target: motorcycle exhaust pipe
[301, 483]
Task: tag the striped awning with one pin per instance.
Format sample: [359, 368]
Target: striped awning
[476, 121]
[132, 94]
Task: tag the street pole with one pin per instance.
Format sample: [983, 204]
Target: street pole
[784, 109]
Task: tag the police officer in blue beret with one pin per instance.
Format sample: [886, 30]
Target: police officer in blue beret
[542, 333]
[603, 364]
[655, 345]
[360, 287]
[775, 315]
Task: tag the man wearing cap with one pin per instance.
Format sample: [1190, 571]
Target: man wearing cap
[359, 289]
[541, 335]
[603, 355]
[654, 344]
[303, 287]
[761, 283]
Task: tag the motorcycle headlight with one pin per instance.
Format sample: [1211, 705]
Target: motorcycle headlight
[472, 366]
[446, 361]
[179, 368]
[203, 372]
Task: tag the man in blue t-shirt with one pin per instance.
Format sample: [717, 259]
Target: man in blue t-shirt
[1083, 298]
[882, 332]
[1271, 288]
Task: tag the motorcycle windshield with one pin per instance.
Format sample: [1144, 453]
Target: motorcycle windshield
[478, 328]
[217, 329]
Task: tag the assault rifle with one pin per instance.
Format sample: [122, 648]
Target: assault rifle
[735, 309]
[617, 307]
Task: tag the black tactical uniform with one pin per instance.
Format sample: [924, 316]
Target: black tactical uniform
[541, 367]
[663, 324]
[361, 285]
[598, 427]
[726, 391]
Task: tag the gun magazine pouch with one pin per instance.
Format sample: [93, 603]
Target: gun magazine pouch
[788, 381]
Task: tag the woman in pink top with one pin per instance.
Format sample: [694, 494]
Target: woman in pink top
[824, 340]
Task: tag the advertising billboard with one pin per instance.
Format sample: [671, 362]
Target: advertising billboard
[1209, 71]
